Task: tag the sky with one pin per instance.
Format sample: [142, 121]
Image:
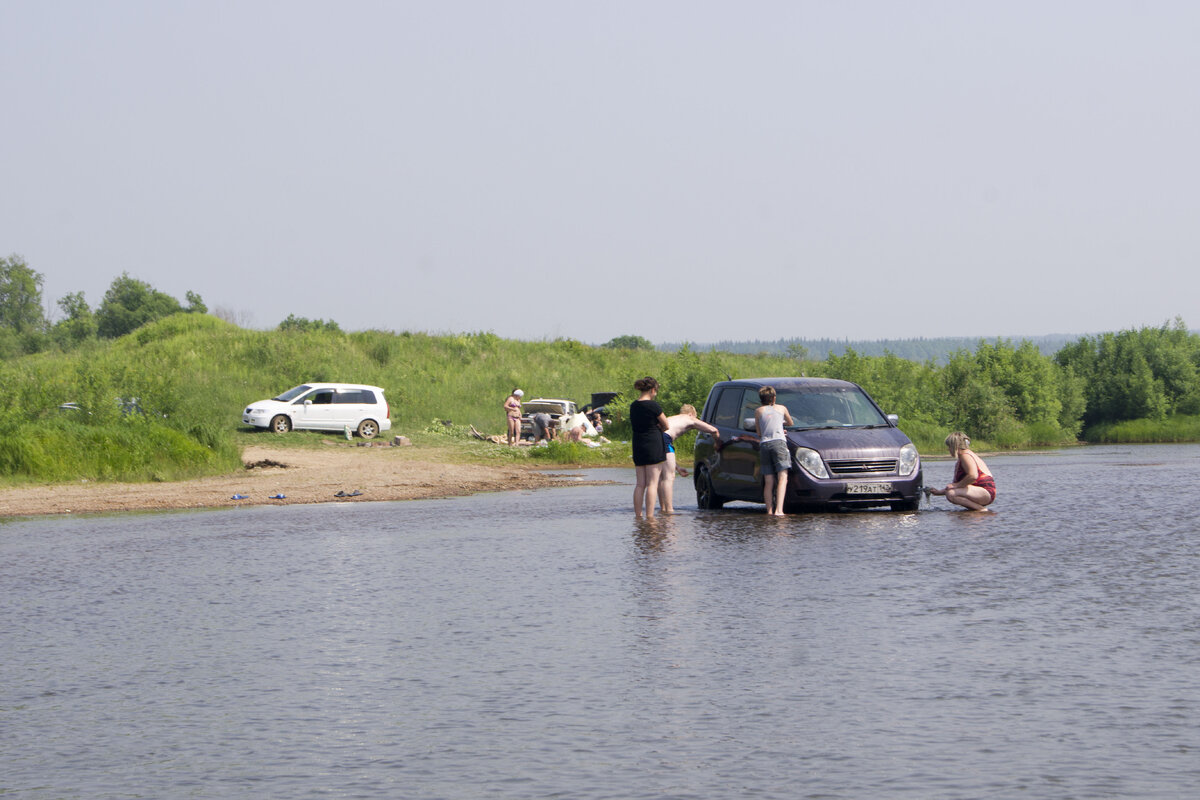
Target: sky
[681, 171]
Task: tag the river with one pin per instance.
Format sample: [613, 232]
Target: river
[548, 645]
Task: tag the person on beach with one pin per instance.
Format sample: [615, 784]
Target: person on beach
[774, 458]
[677, 425]
[973, 488]
[543, 427]
[648, 422]
[512, 411]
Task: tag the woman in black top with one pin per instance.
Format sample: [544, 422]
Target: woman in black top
[648, 422]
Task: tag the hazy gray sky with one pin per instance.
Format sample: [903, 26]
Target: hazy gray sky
[676, 170]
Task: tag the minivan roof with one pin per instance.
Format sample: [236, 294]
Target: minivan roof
[340, 386]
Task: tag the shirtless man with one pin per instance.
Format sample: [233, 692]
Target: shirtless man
[682, 422]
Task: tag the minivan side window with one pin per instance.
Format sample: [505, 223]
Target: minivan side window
[319, 398]
[355, 396]
[728, 406]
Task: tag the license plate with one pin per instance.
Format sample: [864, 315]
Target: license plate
[868, 488]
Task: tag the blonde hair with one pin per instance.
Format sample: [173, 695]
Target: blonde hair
[957, 441]
[688, 408]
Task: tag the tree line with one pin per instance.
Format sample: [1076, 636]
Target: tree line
[128, 304]
[937, 349]
[1008, 394]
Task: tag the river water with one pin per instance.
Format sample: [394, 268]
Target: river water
[548, 645]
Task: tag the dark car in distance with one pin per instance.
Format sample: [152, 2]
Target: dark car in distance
[846, 452]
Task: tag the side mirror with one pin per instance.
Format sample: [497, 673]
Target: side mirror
[308, 402]
[748, 424]
[894, 419]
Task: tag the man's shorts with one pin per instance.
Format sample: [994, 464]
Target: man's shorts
[774, 457]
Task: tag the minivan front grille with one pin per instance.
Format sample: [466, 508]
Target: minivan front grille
[859, 466]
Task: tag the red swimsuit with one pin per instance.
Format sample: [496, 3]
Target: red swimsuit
[986, 482]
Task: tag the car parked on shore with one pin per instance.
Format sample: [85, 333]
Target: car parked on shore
[846, 452]
[323, 407]
[559, 410]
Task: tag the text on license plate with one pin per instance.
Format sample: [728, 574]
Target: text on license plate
[868, 488]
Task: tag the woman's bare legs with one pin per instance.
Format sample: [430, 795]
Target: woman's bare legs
[974, 498]
[514, 430]
[645, 492]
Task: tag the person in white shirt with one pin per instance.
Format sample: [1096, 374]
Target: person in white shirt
[769, 420]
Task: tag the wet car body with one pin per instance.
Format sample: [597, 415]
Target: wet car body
[846, 453]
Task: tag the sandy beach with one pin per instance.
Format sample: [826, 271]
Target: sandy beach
[302, 476]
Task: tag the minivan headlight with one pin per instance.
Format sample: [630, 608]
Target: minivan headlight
[908, 459]
[811, 461]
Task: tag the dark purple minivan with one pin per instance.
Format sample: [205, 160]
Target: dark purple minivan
[846, 453]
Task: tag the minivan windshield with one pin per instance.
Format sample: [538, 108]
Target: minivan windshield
[292, 393]
[830, 407]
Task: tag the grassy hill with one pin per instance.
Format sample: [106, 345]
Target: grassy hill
[193, 374]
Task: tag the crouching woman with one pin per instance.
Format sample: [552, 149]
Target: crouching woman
[974, 487]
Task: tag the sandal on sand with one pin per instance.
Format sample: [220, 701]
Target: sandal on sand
[277, 497]
[340, 494]
[239, 497]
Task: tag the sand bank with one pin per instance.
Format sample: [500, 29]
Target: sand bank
[302, 476]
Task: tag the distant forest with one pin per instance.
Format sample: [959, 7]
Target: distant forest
[937, 350]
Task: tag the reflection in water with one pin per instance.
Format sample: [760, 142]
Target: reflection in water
[550, 644]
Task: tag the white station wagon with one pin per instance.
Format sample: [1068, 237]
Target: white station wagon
[323, 407]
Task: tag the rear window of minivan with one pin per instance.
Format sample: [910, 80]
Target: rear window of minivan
[363, 396]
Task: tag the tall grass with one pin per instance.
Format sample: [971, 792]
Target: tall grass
[127, 450]
[1178, 428]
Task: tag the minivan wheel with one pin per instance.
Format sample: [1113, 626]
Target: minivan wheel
[368, 428]
[280, 423]
[705, 496]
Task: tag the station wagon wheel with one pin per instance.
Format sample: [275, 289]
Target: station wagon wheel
[706, 497]
[368, 428]
[280, 423]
